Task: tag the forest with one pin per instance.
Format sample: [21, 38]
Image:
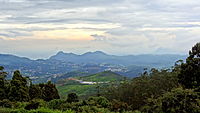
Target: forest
[173, 90]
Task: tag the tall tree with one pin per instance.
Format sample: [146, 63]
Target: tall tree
[72, 97]
[19, 88]
[189, 75]
[49, 91]
[2, 83]
[35, 91]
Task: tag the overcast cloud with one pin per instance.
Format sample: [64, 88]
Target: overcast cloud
[40, 28]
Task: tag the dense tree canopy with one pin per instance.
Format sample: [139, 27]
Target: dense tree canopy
[137, 91]
[189, 76]
[2, 83]
[19, 88]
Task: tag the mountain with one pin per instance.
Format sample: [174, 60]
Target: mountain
[58, 65]
[6, 59]
[165, 60]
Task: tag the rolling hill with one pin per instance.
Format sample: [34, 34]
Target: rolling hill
[102, 77]
[66, 86]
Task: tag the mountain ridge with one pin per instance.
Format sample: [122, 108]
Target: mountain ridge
[101, 57]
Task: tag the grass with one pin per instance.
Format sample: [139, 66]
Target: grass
[68, 86]
[106, 76]
[80, 89]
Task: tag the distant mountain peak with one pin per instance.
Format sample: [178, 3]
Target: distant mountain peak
[60, 53]
[95, 53]
[99, 52]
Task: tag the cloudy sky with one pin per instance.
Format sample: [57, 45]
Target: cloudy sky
[40, 28]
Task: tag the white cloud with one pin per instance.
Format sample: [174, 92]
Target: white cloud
[118, 26]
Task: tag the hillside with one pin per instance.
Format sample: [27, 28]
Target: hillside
[66, 86]
[7, 59]
[102, 77]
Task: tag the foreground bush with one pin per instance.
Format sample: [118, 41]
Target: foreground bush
[40, 110]
[6, 103]
[56, 104]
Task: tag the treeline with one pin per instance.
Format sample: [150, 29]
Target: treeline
[174, 90]
[21, 89]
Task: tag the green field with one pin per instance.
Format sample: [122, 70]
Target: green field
[68, 86]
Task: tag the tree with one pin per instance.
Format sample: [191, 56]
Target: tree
[49, 91]
[139, 89]
[35, 91]
[19, 88]
[189, 75]
[177, 101]
[2, 83]
[72, 97]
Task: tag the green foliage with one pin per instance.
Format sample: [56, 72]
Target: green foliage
[40, 110]
[19, 105]
[3, 74]
[99, 101]
[118, 106]
[72, 97]
[6, 103]
[135, 92]
[43, 91]
[80, 90]
[102, 77]
[35, 104]
[19, 88]
[176, 101]
[56, 104]
[35, 91]
[189, 76]
[83, 90]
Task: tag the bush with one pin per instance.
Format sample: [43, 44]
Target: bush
[18, 105]
[6, 103]
[5, 110]
[72, 97]
[99, 101]
[118, 106]
[56, 104]
[32, 105]
[103, 102]
[40, 110]
[35, 104]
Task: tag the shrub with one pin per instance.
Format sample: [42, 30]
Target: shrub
[103, 102]
[6, 103]
[18, 105]
[40, 110]
[118, 106]
[56, 104]
[72, 97]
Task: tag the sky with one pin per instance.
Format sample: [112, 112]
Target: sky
[41, 28]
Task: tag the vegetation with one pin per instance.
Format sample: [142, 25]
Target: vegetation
[105, 76]
[20, 89]
[66, 86]
[174, 90]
